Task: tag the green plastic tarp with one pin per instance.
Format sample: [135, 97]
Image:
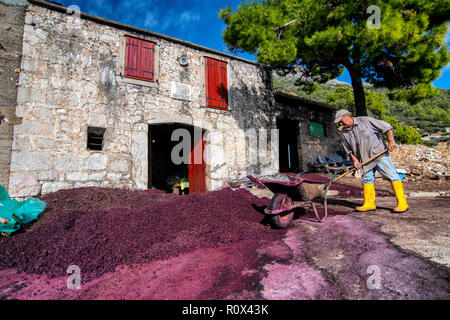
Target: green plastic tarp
[18, 213]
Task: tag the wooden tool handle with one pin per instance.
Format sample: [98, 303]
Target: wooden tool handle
[362, 164]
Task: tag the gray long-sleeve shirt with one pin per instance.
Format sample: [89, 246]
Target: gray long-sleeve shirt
[364, 140]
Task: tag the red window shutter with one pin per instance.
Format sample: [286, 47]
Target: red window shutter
[132, 57]
[146, 65]
[216, 84]
[139, 59]
[222, 85]
[210, 78]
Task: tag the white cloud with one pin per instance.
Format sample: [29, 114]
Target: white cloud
[180, 20]
[150, 21]
[135, 6]
[99, 3]
[189, 16]
[148, 14]
[168, 20]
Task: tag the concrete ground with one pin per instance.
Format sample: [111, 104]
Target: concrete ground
[424, 229]
[411, 251]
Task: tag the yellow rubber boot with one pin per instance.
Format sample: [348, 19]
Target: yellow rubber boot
[369, 198]
[402, 206]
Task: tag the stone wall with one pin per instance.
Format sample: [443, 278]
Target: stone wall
[317, 146]
[70, 79]
[11, 29]
[5, 152]
[294, 108]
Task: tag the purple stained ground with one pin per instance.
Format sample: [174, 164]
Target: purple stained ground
[150, 245]
[337, 259]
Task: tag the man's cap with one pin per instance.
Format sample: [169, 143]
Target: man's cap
[340, 114]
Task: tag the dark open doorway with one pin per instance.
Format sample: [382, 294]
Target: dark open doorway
[164, 174]
[288, 144]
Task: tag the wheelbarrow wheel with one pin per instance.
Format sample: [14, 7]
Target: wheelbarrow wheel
[281, 201]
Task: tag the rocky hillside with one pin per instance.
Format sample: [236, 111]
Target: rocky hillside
[429, 117]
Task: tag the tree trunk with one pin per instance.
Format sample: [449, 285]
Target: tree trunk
[358, 91]
[360, 97]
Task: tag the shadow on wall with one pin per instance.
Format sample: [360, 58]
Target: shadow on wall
[255, 110]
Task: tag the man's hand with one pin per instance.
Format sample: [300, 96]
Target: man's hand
[356, 164]
[391, 142]
[392, 145]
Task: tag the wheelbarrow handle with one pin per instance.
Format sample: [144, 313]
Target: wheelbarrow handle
[362, 164]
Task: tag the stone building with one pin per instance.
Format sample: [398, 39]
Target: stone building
[100, 103]
[12, 15]
[306, 130]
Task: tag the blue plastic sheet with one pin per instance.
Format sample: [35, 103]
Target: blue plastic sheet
[18, 213]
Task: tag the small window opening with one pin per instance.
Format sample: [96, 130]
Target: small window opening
[95, 138]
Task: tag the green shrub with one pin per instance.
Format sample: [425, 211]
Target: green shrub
[431, 143]
[405, 135]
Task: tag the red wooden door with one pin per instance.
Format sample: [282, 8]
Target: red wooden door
[197, 171]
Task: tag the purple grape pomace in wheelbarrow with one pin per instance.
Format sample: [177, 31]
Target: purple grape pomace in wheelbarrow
[301, 189]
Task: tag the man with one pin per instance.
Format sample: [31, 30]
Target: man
[362, 140]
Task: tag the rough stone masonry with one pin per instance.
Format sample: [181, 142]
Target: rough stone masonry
[71, 78]
[11, 29]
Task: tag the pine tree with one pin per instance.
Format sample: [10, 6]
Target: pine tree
[396, 44]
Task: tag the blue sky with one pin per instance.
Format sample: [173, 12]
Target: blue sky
[194, 21]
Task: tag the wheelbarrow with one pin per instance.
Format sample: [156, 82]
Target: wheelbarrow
[301, 191]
